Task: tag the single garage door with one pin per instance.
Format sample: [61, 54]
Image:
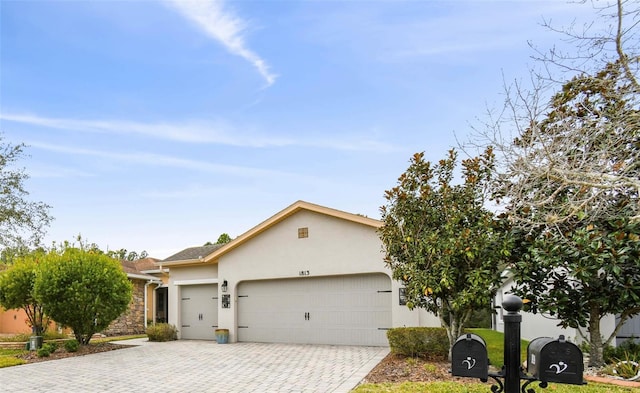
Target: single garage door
[199, 311]
[340, 310]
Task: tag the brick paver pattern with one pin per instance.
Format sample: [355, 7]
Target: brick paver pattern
[200, 366]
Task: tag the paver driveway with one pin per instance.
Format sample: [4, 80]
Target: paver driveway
[200, 366]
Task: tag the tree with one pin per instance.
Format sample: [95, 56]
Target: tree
[22, 222]
[82, 289]
[582, 275]
[440, 240]
[223, 239]
[124, 255]
[571, 179]
[17, 291]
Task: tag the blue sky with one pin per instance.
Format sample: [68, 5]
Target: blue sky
[159, 125]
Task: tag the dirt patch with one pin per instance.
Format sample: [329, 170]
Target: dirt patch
[61, 353]
[396, 368]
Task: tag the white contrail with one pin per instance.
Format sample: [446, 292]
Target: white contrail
[223, 26]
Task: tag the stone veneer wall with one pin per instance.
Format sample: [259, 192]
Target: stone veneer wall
[132, 321]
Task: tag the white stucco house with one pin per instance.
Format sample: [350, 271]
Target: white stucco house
[308, 274]
[542, 325]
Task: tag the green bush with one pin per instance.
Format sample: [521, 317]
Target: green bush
[51, 346]
[431, 343]
[629, 349]
[162, 332]
[71, 345]
[43, 352]
[83, 290]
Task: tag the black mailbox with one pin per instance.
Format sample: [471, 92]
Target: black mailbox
[550, 360]
[469, 357]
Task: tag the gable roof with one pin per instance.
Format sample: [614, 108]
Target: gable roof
[214, 254]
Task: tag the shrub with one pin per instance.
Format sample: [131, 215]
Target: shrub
[162, 332]
[71, 345]
[629, 349]
[43, 352]
[419, 341]
[51, 346]
[83, 290]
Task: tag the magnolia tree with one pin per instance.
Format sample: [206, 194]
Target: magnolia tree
[440, 240]
[569, 166]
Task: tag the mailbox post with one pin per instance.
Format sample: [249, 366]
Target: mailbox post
[512, 321]
[548, 360]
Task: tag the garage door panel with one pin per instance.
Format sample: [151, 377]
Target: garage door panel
[199, 312]
[343, 310]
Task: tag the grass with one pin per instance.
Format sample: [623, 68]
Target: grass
[495, 346]
[457, 387]
[115, 338]
[8, 356]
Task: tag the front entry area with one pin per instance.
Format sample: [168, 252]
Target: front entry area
[338, 310]
[199, 311]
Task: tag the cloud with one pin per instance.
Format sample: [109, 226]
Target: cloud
[198, 131]
[161, 160]
[221, 24]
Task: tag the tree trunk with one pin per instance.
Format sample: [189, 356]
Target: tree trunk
[596, 358]
[455, 326]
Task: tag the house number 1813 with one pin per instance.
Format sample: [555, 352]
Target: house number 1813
[303, 273]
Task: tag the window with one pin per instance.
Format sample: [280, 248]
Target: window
[303, 232]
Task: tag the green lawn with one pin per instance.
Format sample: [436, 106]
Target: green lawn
[457, 387]
[495, 346]
[8, 357]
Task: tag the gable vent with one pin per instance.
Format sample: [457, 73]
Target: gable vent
[303, 233]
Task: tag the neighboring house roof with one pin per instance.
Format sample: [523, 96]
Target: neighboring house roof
[187, 257]
[146, 264]
[130, 267]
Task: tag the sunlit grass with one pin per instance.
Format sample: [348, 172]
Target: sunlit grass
[457, 387]
[495, 346]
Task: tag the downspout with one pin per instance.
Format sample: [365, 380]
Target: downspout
[146, 287]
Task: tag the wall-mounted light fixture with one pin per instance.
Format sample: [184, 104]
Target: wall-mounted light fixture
[224, 286]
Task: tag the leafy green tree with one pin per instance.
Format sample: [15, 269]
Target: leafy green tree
[84, 290]
[17, 290]
[124, 255]
[582, 275]
[441, 241]
[22, 222]
[223, 239]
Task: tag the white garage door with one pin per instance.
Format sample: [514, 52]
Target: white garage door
[341, 310]
[199, 311]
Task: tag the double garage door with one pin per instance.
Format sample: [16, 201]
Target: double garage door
[340, 310]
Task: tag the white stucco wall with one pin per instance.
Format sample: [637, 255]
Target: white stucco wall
[542, 325]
